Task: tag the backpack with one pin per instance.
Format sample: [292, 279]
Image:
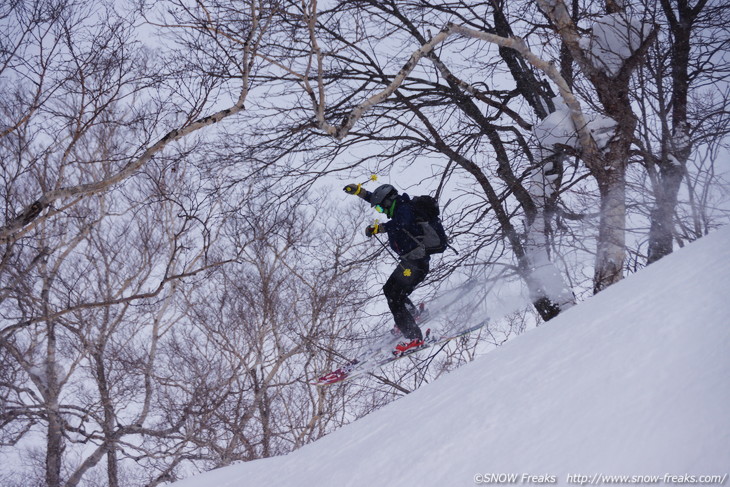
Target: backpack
[427, 213]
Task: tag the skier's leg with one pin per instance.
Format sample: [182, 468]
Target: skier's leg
[396, 290]
[395, 294]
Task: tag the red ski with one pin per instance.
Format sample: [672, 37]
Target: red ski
[387, 354]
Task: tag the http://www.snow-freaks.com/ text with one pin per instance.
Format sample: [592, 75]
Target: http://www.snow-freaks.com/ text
[599, 479]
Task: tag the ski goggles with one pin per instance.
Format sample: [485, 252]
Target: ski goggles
[385, 207]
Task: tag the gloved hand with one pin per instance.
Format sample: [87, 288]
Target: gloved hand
[352, 188]
[372, 230]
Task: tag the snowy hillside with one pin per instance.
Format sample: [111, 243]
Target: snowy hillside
[635, 381]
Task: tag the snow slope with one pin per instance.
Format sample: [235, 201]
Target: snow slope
[634, 381]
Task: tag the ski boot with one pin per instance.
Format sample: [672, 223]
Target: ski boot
[409, 346]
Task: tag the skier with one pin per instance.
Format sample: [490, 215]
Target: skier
[404, 235]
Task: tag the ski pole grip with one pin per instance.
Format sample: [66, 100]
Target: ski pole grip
[353, 189]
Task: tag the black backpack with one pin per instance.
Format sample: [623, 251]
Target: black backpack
[427, 213]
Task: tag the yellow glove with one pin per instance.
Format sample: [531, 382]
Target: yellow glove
[353, 188]
[372, 230]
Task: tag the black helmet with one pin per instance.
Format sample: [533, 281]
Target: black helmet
[383, 195]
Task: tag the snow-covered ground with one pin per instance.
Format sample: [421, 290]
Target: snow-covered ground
[634, 381]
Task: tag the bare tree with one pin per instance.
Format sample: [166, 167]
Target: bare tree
[678, 118]
[258, 331]
[78, 72]
[86, 113]
[166, 292]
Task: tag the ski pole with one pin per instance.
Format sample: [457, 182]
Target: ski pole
[406, 271]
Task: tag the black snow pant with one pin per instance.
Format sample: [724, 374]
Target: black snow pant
[398, 287]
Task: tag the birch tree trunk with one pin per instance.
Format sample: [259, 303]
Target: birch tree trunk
[607, 165]
[611, 244]
[550, 293]
[548, 289]
[676, 146]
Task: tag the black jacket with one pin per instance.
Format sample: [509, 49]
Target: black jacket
[403, 231]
